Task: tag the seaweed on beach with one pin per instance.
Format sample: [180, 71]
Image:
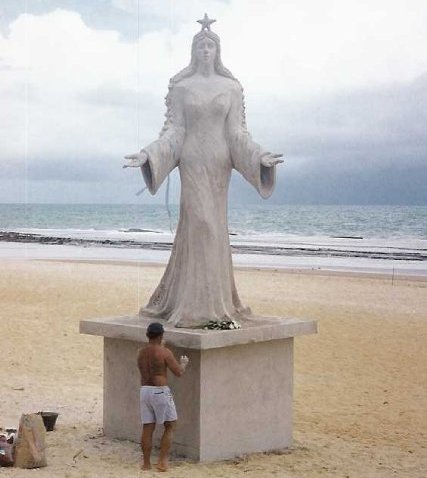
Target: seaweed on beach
[391, 254]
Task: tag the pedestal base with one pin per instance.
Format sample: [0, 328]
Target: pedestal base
[234, 398]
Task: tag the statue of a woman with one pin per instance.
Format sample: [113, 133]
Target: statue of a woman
[205, 136]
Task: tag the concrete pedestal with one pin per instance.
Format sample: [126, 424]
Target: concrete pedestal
[234, 398]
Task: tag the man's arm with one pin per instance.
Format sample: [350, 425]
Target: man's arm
[176, 368]
[139, 359]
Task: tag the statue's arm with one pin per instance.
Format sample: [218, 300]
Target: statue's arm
[256, 165]
[160, 157]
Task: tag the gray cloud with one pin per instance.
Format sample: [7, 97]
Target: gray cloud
[108, 15]
[69, 168]
[112, 96]
[97, 13]
[365, 146]
[315, 186]
[352, 129]
[352, 145]
[18, 91]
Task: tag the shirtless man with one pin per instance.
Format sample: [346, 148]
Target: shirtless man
[157, 405]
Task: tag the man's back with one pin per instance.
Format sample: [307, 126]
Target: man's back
[153, 362]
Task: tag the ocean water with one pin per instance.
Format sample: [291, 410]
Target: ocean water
[403, 223]
[385, 239]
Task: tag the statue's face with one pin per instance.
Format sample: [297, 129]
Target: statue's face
[206, 51]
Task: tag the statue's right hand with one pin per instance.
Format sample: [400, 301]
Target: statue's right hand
[136, 160]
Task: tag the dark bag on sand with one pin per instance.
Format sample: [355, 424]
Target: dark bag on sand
[30, 444]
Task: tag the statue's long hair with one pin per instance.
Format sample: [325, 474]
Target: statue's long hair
[190, 70]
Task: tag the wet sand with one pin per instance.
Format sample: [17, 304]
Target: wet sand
[360, 384]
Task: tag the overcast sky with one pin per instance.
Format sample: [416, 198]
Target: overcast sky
[339, 87]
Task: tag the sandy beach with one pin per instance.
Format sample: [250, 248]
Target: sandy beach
[360, 384]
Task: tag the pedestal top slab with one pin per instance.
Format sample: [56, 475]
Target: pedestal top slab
[256, 329]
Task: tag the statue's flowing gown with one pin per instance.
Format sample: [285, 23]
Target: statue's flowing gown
[205, 137]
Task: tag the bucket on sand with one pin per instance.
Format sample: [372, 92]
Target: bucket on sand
[49, 420]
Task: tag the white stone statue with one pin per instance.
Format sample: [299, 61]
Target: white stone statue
[205, 136]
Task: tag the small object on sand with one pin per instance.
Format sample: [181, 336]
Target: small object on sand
[49, 420]
[77, 454]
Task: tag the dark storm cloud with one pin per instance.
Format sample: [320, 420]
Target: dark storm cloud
[315, 186]
[365, 126]
[72, 169]
[356, 147]
[361, 146]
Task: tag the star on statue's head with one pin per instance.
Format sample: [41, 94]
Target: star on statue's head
[206, 22]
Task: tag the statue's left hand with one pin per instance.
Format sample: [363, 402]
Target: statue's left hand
[270, 159]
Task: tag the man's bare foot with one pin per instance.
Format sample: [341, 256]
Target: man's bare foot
[162, 467]
[145, 466]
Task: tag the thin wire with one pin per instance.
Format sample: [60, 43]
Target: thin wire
[26, 116]
[167, 204]
[137, 77]
[171, 24]
[137, 137]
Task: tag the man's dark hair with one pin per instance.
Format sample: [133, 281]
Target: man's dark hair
[155, 330]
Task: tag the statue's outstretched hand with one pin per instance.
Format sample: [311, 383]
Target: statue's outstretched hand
[136, 160]
[270, 159]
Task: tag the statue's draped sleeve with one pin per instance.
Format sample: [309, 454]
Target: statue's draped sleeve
[163, 154]
[245, 153]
